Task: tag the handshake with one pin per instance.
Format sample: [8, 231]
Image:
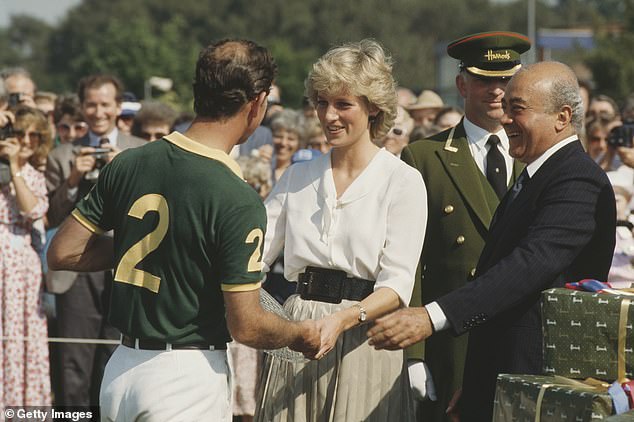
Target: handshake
[315, 338]
[397, 330]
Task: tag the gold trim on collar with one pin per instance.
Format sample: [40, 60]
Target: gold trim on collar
[448, 146]
[494, 73]
[192, 146]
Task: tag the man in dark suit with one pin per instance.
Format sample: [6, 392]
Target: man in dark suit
[458, 166]
[81, 300]
[557, 224]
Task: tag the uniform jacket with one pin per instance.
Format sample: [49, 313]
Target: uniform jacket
[461, 204]
[560, 228]
[58, 167]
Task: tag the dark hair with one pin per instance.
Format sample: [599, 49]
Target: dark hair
[153, 112]
[67, 105]
[96, 81]
[229, 74]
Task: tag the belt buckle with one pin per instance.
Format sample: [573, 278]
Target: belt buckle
[328, 288]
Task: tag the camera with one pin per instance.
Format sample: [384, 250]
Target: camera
[622, 136]
[7, 132]
[5, 171]
[101, 155]
[14, 99]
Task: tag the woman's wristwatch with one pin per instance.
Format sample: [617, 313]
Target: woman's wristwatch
[363, 316]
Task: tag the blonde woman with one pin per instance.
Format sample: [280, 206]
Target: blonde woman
[352, 224]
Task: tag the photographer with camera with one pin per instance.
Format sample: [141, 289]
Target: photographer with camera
[24, 365]
[622, 137]
[19, 87]
[82, 298]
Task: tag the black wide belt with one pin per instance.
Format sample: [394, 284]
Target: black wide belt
[148, 344]
[332, 286]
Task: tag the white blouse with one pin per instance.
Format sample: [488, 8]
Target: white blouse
[375, 230]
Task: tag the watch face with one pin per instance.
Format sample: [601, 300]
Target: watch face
[362, 314]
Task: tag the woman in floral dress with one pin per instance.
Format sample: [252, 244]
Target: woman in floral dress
[24, 375]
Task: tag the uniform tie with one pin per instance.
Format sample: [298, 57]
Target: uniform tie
[103, 141]
[496, 167]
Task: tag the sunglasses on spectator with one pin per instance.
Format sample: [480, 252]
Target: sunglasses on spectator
[78, 126]
[33, 136]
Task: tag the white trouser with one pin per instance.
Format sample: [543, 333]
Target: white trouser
[157, 385]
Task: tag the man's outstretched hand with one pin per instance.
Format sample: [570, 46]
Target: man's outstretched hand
[308, 341]
[400, 329]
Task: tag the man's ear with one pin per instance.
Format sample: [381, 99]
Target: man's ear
[564, 117]
[461, 84]
[257, 104]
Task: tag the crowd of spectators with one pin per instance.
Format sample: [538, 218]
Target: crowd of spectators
[50, 147]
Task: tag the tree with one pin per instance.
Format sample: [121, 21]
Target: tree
[135, 39]
[611, 65]
[23, 44]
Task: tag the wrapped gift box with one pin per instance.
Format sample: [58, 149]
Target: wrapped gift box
[588, 335]
[535, 398]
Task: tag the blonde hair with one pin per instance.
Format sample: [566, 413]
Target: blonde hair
[25, 117]
[362, 69]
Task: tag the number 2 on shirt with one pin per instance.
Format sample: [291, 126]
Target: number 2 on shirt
[126, 273]
[255, 262]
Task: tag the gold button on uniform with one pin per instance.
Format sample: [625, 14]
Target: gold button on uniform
[448, 209]
[460, 240]
[472, 273]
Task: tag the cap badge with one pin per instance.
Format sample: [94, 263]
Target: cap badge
[490, 55]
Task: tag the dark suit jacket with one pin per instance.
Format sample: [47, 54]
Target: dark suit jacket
[461, 204]
[560, 228]
[59, 164]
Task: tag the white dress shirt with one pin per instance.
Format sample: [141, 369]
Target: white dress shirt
[477, 138]
[112, 137]
[436, 314]
[374, 230]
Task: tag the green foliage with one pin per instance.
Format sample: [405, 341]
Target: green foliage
[136, 39]
[611, 63]
[21, 44]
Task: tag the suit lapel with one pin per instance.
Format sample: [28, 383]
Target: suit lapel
[458, 162]
[536, 183]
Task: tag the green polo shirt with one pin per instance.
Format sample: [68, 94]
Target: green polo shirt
[186, 227]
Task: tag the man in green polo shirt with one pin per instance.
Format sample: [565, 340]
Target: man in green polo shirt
[186, 252]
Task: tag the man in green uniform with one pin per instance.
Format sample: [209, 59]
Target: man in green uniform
[467, 169]
[186, 253]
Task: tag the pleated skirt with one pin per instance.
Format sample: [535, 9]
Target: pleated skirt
[353, 382]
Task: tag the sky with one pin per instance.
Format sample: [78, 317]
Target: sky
[50, 11]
